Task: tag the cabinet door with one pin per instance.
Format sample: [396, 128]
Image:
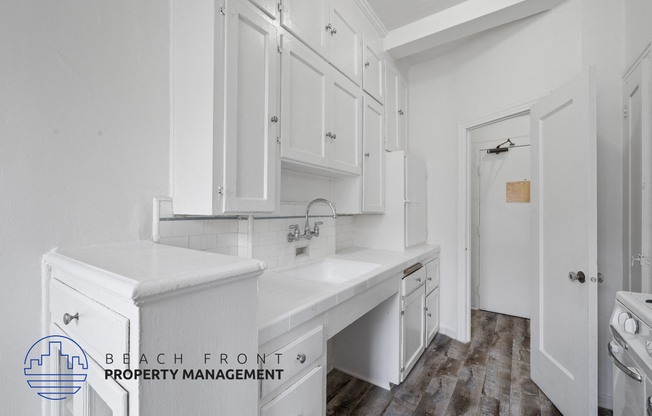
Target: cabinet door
[304, 89]
[252, 65]
[305, 397]
[373, 172]
[373, 80]
[402, 104]
[270, 7]
[432, 275]
[432, 316]
[391, 109]
[346, 43]
[412, 330]
[307, 20]
[100, 396]
[346, 124]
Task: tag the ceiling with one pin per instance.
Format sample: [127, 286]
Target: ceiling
[397, 13]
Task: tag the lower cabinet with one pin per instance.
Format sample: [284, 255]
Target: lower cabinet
[301, 398]
[412, 329]
[432, 315]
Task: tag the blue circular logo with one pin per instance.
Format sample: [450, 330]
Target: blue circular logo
[56, 367]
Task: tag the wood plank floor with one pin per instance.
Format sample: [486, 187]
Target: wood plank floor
[488, 376]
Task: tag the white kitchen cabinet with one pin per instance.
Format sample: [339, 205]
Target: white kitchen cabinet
[373, 173]
[270, 7]
[326, 27]
[432, 275]
[224, 108]
[432, 316]
[321, 112]
[395, 110]
[412, 329]
[373, 78]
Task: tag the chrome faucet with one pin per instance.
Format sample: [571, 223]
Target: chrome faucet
[296, 235]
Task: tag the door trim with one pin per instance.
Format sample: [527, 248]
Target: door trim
[464, 222]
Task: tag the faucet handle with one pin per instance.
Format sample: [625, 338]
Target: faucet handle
[315, 230]
[295, 234]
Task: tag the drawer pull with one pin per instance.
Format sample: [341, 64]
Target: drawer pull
[301, 358]
[430, 278]
[67, 318]
[418, 279]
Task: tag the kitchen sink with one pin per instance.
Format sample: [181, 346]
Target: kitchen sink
[331, 270]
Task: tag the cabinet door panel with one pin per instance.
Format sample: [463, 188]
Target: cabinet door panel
[402, 100]
[432, 316]
[270, 7]
[346, 124]
[303, 104]
[372, 80]
[346, 44]
[307, 20]
[252, 64]
[412, 330]
[302, 398]
[391, 110]
[373, 182]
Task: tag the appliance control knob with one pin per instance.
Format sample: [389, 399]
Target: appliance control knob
[623, 317]
[631, 326]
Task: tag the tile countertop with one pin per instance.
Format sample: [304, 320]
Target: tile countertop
[284, 302]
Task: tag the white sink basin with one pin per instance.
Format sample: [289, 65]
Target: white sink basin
[331, 270]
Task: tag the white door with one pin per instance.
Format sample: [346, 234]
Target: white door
[308, 20]
[504, 230]
[373, 73]
[563, 354]
[636, 187]
[391, 109]
[373, 180]
[412, 329]
[304, 101]
[346, 42]
[345, 125]
[252, 68]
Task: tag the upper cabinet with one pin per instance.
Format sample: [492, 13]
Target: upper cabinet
[327, 29]
[224, 108]
[321, 112]
[270, 7]
[373, 78]
[396, 100]
[373, 167]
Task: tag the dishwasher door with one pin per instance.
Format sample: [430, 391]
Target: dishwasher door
[628, 381]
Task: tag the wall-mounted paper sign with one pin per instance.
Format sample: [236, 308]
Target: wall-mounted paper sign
[518, 191]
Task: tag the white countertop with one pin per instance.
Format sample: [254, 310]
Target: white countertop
[285, 302]
[142, 269]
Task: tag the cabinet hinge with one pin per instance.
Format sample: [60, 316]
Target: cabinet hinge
[402, 369]
[222, 11]
[280, 6]
[278, 140]
[220, 190]
[279, 49]
[402, 313]
[625, 112]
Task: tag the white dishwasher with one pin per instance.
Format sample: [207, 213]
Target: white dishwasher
[630, 350]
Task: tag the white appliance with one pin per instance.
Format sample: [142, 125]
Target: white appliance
[630, 350]
[404, 223]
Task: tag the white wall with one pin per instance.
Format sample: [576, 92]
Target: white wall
[83, 146]
[503, 67]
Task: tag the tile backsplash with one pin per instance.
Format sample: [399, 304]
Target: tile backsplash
[268, 241]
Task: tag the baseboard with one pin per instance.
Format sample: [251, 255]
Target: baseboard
[606, 401]
[384, 386]
[449, 332]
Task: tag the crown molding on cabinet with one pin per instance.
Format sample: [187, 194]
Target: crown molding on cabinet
[373, 17]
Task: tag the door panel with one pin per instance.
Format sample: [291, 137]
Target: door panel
[391, 110]
[270, 7]
[307, 20]
[346, 125]
[432, 316]
[346, 44]
[504, 249]
[564, 239]
[373, 72]
[412, 329]
[373, 182]
[402, 114]
[303, 103]
[252, 97]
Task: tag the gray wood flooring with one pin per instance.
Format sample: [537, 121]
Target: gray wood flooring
[488, 376]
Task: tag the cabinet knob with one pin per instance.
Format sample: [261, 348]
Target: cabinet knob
[334, 136]
[329, 27]
[334, 31]
[418, 279]
[429, 315]
[366, 64]
[329, 134]
[67, 318]
[301, 358]
[367, 154]
[430, 278]
[274, 119]
[400, 112]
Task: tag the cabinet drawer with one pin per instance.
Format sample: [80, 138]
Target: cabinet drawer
[302, 398]
[432, 275]
[98, 329]
[295, 357]
[413, 281]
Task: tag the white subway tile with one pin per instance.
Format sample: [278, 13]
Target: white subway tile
[165, 229]
[186, 228]
[175, 241]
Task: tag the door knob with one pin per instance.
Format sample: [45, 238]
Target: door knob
[579, 276]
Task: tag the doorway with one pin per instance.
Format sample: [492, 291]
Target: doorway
[500, 187]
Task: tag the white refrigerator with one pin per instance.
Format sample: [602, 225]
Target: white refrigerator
[404, 223]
